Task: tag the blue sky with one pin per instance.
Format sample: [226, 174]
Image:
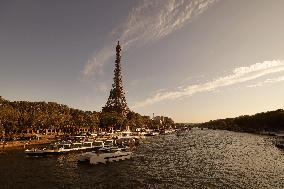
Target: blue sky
[192, 60]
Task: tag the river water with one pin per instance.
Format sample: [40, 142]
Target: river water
[200, 159]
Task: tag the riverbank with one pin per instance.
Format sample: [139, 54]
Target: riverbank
[22, 144]
[256, 132]
[268, 123]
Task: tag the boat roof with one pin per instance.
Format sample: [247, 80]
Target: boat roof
[80, 136]
[88, 142]
[126, 132]
[61, 143]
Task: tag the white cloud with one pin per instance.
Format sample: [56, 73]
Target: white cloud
[255, 85]
[271, 80]
[275, 80]
[97, 61]
[150, 21]
[239, 75]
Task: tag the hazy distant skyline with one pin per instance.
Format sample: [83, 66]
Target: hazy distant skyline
[192, 60]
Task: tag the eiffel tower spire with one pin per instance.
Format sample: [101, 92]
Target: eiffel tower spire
[116, 101]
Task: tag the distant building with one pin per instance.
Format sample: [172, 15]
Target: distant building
[163, 120]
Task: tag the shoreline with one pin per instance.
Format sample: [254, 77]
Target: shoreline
[11, 145]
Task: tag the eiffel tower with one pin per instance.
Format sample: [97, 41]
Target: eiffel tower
[116, 101]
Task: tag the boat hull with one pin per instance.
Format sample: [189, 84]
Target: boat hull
[58, 152]
[109, 157]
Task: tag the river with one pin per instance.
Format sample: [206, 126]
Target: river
[200, 159]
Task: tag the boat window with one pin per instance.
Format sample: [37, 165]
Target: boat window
[97, 143]
[108, 143]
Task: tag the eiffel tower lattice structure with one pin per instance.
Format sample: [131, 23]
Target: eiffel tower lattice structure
[116, 101]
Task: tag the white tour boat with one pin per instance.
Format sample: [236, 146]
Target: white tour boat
[61, 147]
[54, 149]
[105, 155]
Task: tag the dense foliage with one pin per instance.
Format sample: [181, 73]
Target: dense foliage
[266, 121]
[18, 116]
[132, 121]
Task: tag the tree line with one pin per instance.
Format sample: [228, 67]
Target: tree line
[271, 121]
[19, 116]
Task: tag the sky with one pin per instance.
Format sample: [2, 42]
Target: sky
[192, 60]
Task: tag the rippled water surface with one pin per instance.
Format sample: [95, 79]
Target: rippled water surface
[201, 159]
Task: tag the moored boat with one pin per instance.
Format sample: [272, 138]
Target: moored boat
[166, 131]
[151, 132]
[127, 141]
[55, 148]
[105, 155]
[60, 147]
